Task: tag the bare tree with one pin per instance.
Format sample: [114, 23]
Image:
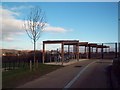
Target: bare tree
[34, 25]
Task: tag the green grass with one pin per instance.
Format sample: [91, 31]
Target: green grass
[14, 78]
[15, 64]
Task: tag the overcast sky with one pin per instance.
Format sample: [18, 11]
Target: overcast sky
[91, 21]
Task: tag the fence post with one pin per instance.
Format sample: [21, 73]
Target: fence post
[37, 63]
[5, 62]
[13, 64]
[9, 65]
[30, 65]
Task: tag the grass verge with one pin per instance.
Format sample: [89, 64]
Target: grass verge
[14, 78]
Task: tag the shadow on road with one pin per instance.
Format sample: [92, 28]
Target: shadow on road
[77, 66]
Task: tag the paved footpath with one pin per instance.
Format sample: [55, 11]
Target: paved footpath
[68, 76]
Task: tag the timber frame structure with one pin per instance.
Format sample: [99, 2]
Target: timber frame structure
[76, 44]
[62, 42]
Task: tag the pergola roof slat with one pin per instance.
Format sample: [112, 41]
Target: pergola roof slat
[92, 44]
[67, 42]
[83, 43]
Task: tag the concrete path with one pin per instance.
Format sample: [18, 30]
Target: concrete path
[64, 76]
[66, 63]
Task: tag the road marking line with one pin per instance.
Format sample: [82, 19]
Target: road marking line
[78, 75]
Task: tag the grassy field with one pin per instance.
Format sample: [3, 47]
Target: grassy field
[14, 78]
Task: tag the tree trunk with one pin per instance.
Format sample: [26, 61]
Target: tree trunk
[34, 53]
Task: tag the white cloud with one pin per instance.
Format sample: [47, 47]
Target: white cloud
[7, 13]
[10, 25]
[56, 29]
[20, 7]
[49, 28]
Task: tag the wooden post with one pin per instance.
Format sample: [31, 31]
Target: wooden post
[89, 52]
[92, 50]
[109, 49]
[85, 49]
[96, 50]
[115, 50]
[62, 52]
[106, 50]
[77, 49]
[50, 55]
[119, 50]
[102, 51]
[68, 49]
[73, 51]
[68, 52]
[43, 55]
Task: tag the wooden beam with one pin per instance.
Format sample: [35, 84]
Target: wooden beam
[83, 43]
[92, 44]
[66, 42]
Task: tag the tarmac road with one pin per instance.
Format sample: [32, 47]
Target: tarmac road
[84, 74]
[94, 77]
